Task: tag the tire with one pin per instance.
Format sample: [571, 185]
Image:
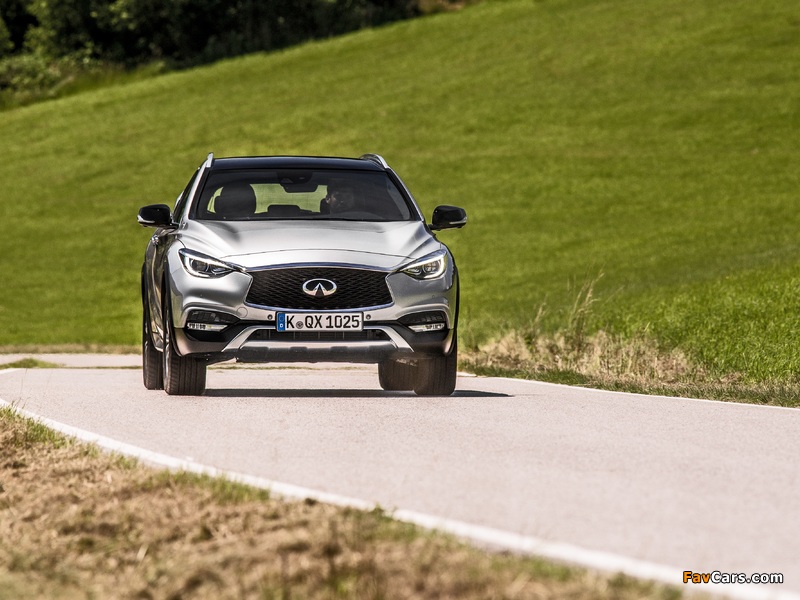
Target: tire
[183, 375]
[437, 376]
[395, 376]
[152, 364]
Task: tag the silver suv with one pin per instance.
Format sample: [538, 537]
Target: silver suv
[299, 259]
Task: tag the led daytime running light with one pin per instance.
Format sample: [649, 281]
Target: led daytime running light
[428, 268]
[201, 265]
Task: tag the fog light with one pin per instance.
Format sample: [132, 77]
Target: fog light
[433, 320]
[426, 327]
[207, 320]
[206, 326]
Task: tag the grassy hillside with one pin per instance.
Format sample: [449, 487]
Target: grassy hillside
[654, 144]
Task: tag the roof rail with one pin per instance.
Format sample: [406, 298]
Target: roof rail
[377, 159]
[209, 160]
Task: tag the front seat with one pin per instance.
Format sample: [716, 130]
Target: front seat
[236, 201]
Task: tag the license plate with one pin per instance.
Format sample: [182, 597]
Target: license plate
[320, 321]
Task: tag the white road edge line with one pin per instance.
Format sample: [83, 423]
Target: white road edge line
[659, 397]
[486, 536]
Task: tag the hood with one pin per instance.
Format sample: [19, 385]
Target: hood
[254, 244]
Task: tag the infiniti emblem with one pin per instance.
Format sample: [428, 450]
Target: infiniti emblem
[319, 288]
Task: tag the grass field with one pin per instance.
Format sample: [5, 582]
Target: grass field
[648, 147]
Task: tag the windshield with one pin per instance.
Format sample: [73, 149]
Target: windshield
[301, 194]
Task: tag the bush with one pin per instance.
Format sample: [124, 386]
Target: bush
[28, 73]
[6, 46]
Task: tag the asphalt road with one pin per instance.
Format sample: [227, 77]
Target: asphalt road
[649, 485]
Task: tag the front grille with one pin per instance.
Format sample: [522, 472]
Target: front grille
[272, 335]
[283, 288]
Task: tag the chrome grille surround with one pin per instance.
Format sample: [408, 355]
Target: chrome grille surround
[282, 287]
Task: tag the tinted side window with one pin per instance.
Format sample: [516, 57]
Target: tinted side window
[180, 205]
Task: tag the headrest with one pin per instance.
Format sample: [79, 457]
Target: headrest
[236, 200]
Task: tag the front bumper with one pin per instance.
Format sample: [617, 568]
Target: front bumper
[253, 336]
[257, 342]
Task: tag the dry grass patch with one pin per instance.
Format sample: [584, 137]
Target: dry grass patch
[599, 358]
[611, 362]
[77, 523]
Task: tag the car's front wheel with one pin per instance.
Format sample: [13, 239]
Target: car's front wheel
[437, 376]
[183, 375]
[152, 365]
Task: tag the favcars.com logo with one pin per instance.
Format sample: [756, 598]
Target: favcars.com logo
[720, 577]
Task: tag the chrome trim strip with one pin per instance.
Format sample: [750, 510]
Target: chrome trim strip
[396, 338]
[317, 346]
[376, 158]
[278, 309]
[354, 267]
[191, 200]
[241, 341]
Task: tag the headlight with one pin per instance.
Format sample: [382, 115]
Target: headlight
[201, 265]
[430, 267]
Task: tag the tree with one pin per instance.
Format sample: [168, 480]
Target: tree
[17, 19]
[69, 28]
[6, 45]
[182, 32]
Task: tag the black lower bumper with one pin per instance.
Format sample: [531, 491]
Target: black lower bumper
[263, 343]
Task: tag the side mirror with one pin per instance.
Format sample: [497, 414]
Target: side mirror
[448, 217]
[155, 215]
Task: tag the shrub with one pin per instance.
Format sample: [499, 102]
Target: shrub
[6, 46]
[28, 73]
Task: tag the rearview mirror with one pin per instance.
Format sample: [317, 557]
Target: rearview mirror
[155, 215]
[448, 217]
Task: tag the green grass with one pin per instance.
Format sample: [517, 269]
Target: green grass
[29, 432]
[654, 143]
[29, 363]
[745, 322]
[223, 490]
